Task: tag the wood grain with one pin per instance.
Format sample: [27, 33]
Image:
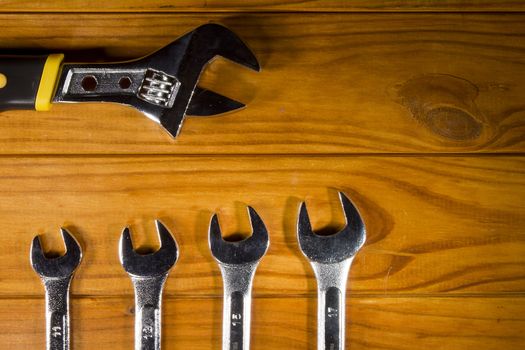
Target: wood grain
[418, 117]
[261, 5]
[435, 225]
[374, 323]
[333, 83]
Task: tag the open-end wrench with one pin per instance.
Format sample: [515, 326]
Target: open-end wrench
[56, 275]
[148, 273]
[162, 86]
[331, 258]
[238, 262]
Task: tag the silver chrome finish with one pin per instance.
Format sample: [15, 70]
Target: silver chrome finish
[331, 258]
[148, 274]
[238, 262]
[164, 84]
[56, 275]
[106, 81]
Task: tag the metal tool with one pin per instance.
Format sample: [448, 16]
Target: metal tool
[56, 275]
[331, 258]
[148, 273]
[238, 262]
[163, 85]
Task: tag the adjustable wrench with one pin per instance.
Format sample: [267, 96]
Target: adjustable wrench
[331, 258]
[162, 86]
[148, 274]
[238, 262]
[56, 275]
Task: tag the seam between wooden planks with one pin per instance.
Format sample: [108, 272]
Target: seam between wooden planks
[196, 11]
[267, 155]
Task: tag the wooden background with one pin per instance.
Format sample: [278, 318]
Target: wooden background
[415, 109]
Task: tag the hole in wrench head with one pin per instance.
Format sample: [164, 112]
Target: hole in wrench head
[89, 83]
[124, 83]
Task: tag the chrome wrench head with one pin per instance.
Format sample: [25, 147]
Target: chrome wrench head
[153, 264]
[59, 267]
[163, 85]
[333, 248]
[249, 250]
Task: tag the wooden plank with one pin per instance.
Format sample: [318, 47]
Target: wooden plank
[333, 83]
[374, 323]
[435, 224]
[260, 6]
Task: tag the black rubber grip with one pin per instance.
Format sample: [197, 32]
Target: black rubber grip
[23, 75]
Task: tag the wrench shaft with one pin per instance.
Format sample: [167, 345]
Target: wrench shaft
[57, 313]
[238, 280]
[148, 328]
[331, 306]
[237, 316]
[148, 299]
[331, 293]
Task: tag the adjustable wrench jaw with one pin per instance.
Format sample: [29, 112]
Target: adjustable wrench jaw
[193, 52]
[163, 85]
